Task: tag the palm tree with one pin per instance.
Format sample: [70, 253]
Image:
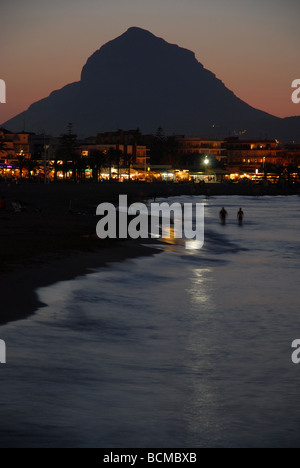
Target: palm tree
[291, 169]
[55, 165]
[3, 147]
[96, 162]
[22, 164]
[129, 160]
[114, 157]
[31, 166]
[67, 153]
[268, 168]
[81, 165]
[118, 156]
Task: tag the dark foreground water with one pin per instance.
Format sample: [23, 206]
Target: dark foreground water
[184, 349]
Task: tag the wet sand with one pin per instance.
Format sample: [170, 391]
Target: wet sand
[18, 286]
[48, 243]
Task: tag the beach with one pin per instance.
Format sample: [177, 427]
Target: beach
[54, 238]
[181, 349]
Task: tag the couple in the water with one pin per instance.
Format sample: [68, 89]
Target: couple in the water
[224, 215]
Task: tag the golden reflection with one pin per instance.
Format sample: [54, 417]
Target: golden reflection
[168, 236]
[200, 290]
[201, 406]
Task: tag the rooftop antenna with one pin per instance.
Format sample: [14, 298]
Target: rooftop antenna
[70, 128]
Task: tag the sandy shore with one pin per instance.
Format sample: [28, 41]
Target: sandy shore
[54, 238]
[47, 243]
[18, 286]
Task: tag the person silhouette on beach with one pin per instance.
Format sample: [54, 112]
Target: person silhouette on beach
[240, 217]
[223, 216]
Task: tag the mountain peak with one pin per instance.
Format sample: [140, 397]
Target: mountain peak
[141, 80]
[137, 49]
[139, 31]
[135, 33]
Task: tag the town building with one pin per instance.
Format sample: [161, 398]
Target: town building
[292, 154]
[14, 150]
[14, 145]
[41, 145]
[138, 153]
[253, 159]
[125, 155]
[121, 137]
[189, 146]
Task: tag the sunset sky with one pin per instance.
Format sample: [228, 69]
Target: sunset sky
[251, 45]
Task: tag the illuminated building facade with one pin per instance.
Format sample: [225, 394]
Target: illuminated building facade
[35, 156]
[214, 148]
[292, 154]
[14, 150]
[138, 153]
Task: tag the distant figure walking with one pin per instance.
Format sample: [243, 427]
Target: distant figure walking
[223, 216]
[240, 217]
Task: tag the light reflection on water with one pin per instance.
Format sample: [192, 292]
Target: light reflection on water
[185, 349]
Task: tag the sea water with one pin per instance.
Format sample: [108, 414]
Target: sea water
[182, 349]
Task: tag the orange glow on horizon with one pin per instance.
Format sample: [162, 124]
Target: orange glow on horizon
[256, 55]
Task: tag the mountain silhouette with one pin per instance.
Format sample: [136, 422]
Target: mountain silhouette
[140, 80]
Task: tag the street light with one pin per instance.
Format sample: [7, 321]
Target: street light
[206, 163]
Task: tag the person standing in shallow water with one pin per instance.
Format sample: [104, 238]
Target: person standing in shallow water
[240, 217]
[223, 216]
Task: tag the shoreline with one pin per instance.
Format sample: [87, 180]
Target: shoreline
[49, 243]
[19, 299]
[52, 240]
